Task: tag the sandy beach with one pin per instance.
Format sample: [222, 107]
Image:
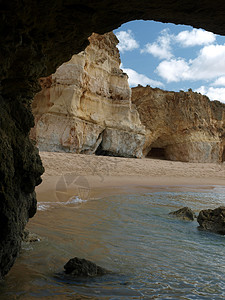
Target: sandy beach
[88, 175]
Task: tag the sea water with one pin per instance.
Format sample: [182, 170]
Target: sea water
[151, 254]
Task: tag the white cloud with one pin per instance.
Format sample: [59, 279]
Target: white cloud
[202, 90]
[213, 93]
[209, 64]
[161, 48]
[173, 70]
[136, 78]
[219, 81]
[195, 37]
[127, 41]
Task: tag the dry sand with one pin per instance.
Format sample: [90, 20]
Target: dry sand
[67, 174]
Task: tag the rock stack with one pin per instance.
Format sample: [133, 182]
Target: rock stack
[85, 106]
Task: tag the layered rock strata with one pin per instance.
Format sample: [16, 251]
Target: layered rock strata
[35, 38]
[183, 126]
[85, 106]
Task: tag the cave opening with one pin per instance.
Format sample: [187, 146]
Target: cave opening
[142, 58]
[35, 39]
[101, 152]
[157, 152]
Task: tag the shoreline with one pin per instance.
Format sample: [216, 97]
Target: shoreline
[67, 174]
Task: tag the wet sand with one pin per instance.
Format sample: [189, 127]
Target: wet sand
[90, 176]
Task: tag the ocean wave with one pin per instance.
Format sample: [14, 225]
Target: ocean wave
[42, 206]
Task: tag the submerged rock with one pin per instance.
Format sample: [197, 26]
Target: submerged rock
[212, 220]
[29, 237]
[81, 267]
[184, 213]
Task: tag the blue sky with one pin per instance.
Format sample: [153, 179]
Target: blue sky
[173, 57]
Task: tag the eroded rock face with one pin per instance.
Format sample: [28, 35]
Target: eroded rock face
[20, 170]
[184, 126]
[37, 37]
[86, 105]
[212, 220]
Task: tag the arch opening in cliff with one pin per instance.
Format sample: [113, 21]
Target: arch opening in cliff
[38, 38]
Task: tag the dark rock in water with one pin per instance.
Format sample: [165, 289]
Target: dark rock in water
[81, 267]
[29, 237]
[212, 220]
[184, 213]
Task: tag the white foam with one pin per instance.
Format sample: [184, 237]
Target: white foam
[42, 206]
[75, 200]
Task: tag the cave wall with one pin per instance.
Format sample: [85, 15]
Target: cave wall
[36, 37]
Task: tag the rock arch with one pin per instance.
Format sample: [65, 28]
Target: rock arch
[36, 37]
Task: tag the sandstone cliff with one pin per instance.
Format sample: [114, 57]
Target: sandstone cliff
[184, 126]
[85, 107]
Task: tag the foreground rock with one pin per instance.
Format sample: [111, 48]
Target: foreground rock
[212, 220]
[85, 106]
[184, 213]
[181, 126]
[80, 267]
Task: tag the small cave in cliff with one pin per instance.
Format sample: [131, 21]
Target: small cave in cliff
[156, 153]
[223, 155]
[101, 152]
